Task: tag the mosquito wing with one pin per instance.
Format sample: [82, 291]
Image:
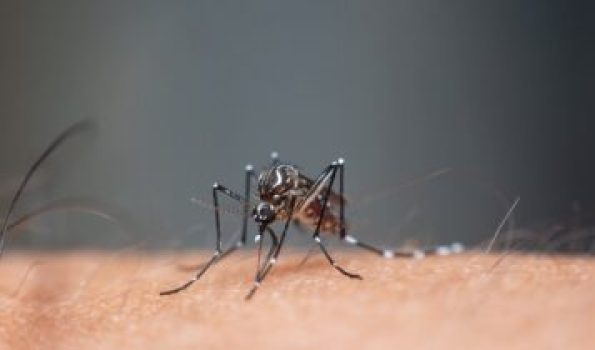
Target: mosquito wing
[311, 206]
[334, 197]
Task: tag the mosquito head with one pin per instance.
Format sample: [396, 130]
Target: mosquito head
[264, 213]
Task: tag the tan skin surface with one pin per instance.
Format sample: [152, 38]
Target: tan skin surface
[111, 301]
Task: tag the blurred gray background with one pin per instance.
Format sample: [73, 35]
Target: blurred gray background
[187, 92]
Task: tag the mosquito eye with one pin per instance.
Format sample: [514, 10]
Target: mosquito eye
[264, 213]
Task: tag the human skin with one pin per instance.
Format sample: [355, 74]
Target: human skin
[98, 300]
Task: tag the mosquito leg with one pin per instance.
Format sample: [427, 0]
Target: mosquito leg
[333, 263]
[386, 253]
[332, 172]
[271, 253]
[269, 261]
[259, 239]
[219, 253]
[260, 263]
[220, 188]
[209, 263]
[190, 268]
[216, 257]
[249, 176]
[453, 248]
[343, 227]
[271, 258]
[341, 167]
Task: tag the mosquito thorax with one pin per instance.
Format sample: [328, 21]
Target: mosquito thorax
[275, 183]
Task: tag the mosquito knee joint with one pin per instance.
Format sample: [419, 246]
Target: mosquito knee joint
[350, 239]
[418, 254]
[443, 250]
[457, 247]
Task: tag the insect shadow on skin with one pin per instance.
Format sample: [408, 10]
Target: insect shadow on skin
[286, 195]
[68, 204]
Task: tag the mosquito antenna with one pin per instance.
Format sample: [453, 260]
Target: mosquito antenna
[72, 130]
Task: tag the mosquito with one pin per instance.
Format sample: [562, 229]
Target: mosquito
[287, 195]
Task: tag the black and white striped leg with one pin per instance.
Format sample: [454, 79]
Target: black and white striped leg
[333, 263]
[260, 263]
[220, 188]
[271, 260]
[268, 261]
[453, 248]
[219, 253]
[331, 171]
[249, 176]
[214, 259]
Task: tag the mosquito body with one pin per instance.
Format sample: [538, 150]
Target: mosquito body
[287, 195]
[284, 191]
